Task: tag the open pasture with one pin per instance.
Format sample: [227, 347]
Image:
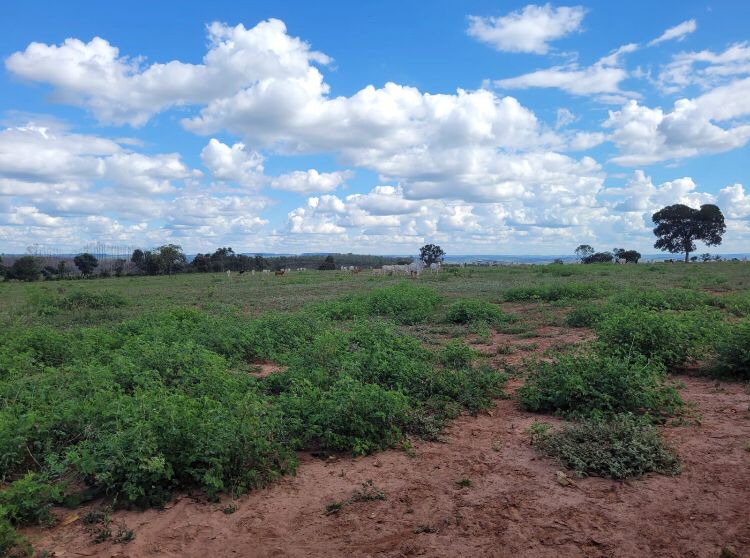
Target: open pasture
[497, 409]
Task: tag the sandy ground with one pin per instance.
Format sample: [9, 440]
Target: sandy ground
[514, 505]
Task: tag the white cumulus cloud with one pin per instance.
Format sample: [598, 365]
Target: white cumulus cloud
[527, 30]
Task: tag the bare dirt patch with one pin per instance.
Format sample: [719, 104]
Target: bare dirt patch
[263, 369]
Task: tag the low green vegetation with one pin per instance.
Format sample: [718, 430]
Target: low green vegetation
[136, 387]
[556, 291]
[624, 446]
[734, 351]
[168, 400]
[473, 311]
[672, 338]
[595, 384]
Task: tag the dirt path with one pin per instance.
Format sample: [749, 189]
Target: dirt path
[513, 507]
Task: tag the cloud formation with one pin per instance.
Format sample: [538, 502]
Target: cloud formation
[527, 30]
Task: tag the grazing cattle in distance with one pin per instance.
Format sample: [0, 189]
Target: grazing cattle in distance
[354, 270]
[280, 272]
[435, 267]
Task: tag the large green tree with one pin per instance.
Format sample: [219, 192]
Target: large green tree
[25, 268]
[170, 258]
[431, 253]
[86, 263]
[679, 226]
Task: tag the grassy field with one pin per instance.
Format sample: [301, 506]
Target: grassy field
[130, 389]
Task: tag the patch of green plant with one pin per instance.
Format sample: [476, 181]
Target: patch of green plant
[624, 446]
[585, 315]
[733, 351]
[663, 299]
[556, 291]
[457, 354]
[404, 303]
[737, 303]
[29, 500]
[670, 337]
[12, 543]
[80, 300]
[470, 311]
[595, 384]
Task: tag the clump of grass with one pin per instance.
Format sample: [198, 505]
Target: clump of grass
[472, 311]
[622, 447]
[463, 483]
[594, 384]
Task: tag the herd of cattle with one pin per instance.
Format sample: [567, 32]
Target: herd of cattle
[412, 270]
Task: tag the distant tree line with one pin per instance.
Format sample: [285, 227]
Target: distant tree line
[587, 255]
[170, 259]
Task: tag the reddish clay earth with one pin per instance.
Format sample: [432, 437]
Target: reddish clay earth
[514, 505]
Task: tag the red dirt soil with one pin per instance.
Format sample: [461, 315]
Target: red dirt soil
[513, 507]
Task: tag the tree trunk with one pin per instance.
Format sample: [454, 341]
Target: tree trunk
[687, 254]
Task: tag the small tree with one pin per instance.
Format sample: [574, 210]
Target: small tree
[584, 251]
[630, 256]
[119, 266]
[62, 269]
[86, 263]
[139, 259]
[3, 271]
[679, 226]
[431, 253]
[26, 268]
[706, 257]
[599, 257]
[328, 264]
[170, 258]
[259, 263]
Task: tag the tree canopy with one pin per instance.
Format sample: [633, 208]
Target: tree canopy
[86, 263]
[328, 264]
[25, 268]
[679, 226]
[583, 251]
[431, 253]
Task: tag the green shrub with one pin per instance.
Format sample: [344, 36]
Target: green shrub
[556, 291]
[29, 500]
[663, 299]
[457, 354]
[620, 448]
[472, 311]
[12, 544]
[586, 385]
[734, 351]
[350, 416]
[669, 337]
[737, 303]
[585, 315]
[404, 303]
[81, 300]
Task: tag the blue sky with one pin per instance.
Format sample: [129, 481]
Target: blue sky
[487, 127]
